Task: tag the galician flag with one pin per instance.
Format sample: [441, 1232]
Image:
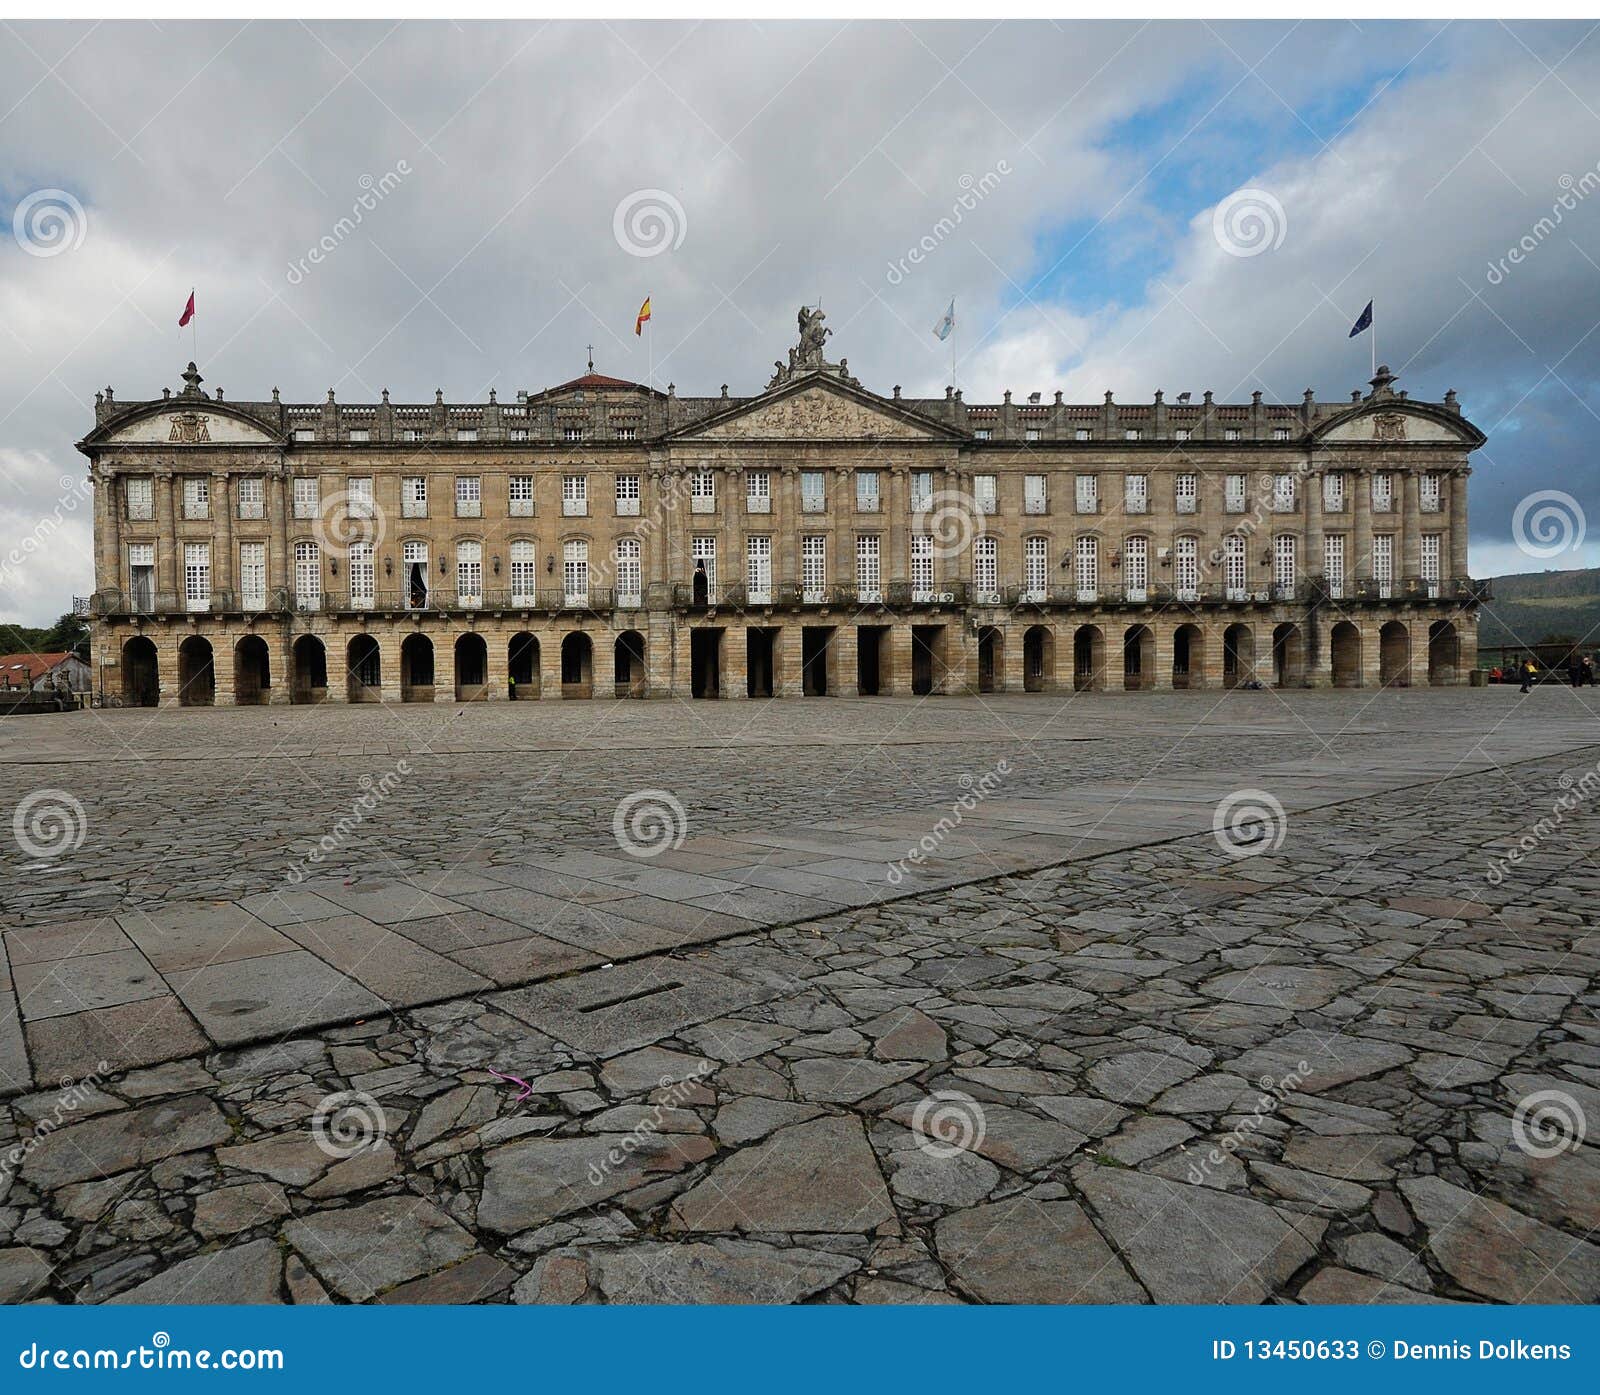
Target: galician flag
[644, 314]
[188, 312]
[948, 323]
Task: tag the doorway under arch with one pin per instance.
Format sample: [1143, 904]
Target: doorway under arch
[577, 666]
[991, 659]
[522, 666]
[1138, 658]
[1345, 655]
[365, 666]
[629, 665]
[141, 673]
[1444, 654]
[1038, 659]
[416, 669]
[1188, 657]
[1088, 659]
[252, 672]
[309, 680]
[1238, 655]
[472, 668]
[197, 673]
[1288, 657]
[1394, 655]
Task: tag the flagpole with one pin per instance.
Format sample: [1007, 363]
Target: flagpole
[1374, 343]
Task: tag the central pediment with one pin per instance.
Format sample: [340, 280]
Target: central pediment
[819, 409]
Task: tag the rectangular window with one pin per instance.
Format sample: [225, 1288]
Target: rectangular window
[866, 491]
[252, 496]
[1032, 433]
[630, 572]
[1333, 491]
[307, 576]
[1185, 493]
[986, 571]
[1183, 433]
[814, 568]
[574, 496]
[1132, 434]
[1234, 577]
[758, 570]
[627, 495]
[575, 571]
[1429, 492]
[1137, 493]
[1186, 568]
[1284, 569]
[572, 432]
[197, 576]
[414, 560]
[1283, 494]
[1230, 433]
[253, 575]
[469, 573]
[984, 494]
[142, 576]
[627, 433]
[869, 584]
[703, 554]
[139, 492]
[1035, 568]
[921, 567]
[469, 496]
[524, 573]
[518, 434]
[363, 574]
[358, 495]
[1088, 488]
[1383, 492]
[1234, 489]
[1333, 564]
[307, 496]
[359, 435]
[702, 492]
[1086, 568]
[1430, 562]
[519, 496]
[413, 434]
[414, 497]
[466, 433]
[1280, 433]
[1136, 568]
[196, 497]
[1035, 499]
[1383, 563]
[921, 491]
[305, 433]
[757, 491]
[983, 433]
[1081, 434]
[813, 492]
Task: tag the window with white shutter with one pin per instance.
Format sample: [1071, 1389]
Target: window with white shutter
[1234, 577]
[575, 571]
[469, 573]
[139, 492]
[1383, 563]
[921, 567]
[1136, 492]
[1035, 568]
[758, 570]
[627, 495]
[196, 497]
[197, 576]
[307, 576]
[524, 573]
[469, 496]
[1136, 568]
[1088, 490]
[869, 584]
[574, 496]
[814, 568]
[253, 575]
[363, 574]
[519, 496]
[307, 496]
[1086, 568]
[1186, 568]
[1284, 569]
[252, 496]
[986, 571]
[414, 496]
[1185, 492]
[1333, 564]
[630, 572]
[1234, 489]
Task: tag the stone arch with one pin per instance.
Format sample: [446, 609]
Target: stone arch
[197, 673]
[1188, 657]
[1288, 656]
[577, 666]
[1038, 659]
[472, 667]
[416, 668]
[1344, 646]
[1088, 659]
[1238, 655]
[991, 659]
[309, 676]
[1394, 655]
[141, 673]
[522, 665]
[1444, 654]
[252, 672]
[1138, 658]
[364, 665]
[629, 664]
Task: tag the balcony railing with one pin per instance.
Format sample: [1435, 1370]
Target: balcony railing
[142, 602]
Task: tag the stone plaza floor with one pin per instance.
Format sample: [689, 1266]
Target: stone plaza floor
[1186, 997]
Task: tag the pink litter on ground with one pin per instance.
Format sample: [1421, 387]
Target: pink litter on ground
[527, 1089]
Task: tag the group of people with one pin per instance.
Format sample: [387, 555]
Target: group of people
[1580, 670]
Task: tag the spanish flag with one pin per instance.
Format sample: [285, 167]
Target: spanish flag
[644, 314]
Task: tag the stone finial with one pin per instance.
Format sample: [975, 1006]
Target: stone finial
[1058, 397]
[1108, 399]
[672, 389]
[386, 397]
[274, 394]
[1355, 394]
[330, 394]
[724, 389]
[949, 392]
[897, 392]
[1206, 399]
[438, 397]
[1160, 397]
[1008, 397]
[1450, 401]
[166, 394]
[110, 396]
[1310, 397]
[1382, 381]
[191, 381]
[100, 397]
[219, 394]
[1255, 398]
[492, 398]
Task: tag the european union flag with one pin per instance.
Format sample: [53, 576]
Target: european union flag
[1364, 322]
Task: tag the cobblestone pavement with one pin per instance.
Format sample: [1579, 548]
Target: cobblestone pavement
[1345, 1053]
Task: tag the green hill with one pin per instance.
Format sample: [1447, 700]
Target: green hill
[1534, 606]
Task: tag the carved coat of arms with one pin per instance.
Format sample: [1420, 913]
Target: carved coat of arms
[1389, 426]
[191, 429]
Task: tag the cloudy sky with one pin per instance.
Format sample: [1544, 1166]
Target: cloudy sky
[771, 164]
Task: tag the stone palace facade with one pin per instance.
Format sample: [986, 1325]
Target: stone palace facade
[605, 539]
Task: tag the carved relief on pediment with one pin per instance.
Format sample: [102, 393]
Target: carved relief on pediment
[813, 414]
